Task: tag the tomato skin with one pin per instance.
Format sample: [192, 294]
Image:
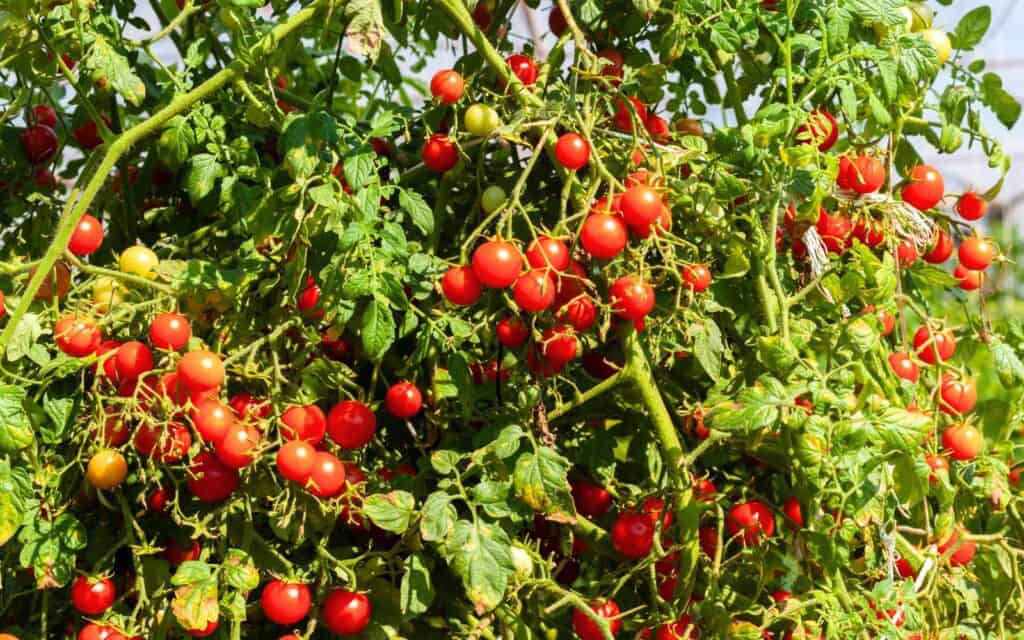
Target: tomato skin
[906, 252]
[87, 236]
[937, 464]
[587, 629]
[133, 359]
[138, 260]
[77, 337]
[976, 253]
[170, 331]
[523, 67]
[971, 206]
[497, 264]
[754, 520]
[963, 554]
[794, 513]
[926, 344]
[403, 400]
[175, 555]
[295, 460]
[863, 174]
[304, 423]
[572, 151]
[248, 407]
[39, 143]
[820, 128]
[346, 612]
[697, 277]
[168, 444]
[581, 313]
[481, 120]
[93, 631]
[641, 207]
[212, 420]
[460, 286]
[208, 630]
[604, 236]
[869, 231]
[327, 478]
[285, 603]
[439, 153]
[238, 446]
[904, 367]
[447, 86]
[87, 135]
[969, 280]
[512, 332]
[834, 230]
[633, 534]
[351, 424]
[957, 396]
[623, 119]
[45, 114]
[548, 252]
[657, 127]
[559, 345]
[963, 441]
[632, 298]
[942, 248]
[106, 469]
[92, 597]
[924, 189]
[534, 291]
[200, 370]
[591, 500]
[309, 298]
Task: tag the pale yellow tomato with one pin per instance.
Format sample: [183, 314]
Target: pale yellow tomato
[107, 293]
[940, 42]
[140, 261]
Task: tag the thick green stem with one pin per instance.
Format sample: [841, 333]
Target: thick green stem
[639, 371]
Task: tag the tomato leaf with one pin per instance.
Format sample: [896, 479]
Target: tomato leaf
[972, 28]
[377, 329]
[15, 494]
[756, 407]
[390, 511]
[419, 212]
[999, 100]
[480, 554]
[15, 426]
[1007, 364]
[240, 571]
[195, 599]
[438, 517]
[366, 30]
[542, 482]
[49, 547]
[108, 67]
[708, 347]
[899, 429]
[203, 171]
[417, 589]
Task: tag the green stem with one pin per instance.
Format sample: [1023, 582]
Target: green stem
[588, 395]
[639, 371]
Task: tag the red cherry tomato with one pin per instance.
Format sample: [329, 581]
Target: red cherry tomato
[285, 603]
[587, 629]
[175, 555]
[92, 597]
[633, 534]
[200, 371]
[512, 332]
[869, 231]
[248, 407]
[942, 248]
[132, 360]
[327, 478]
[820, 129]
[927, 342]
[439, 153]
[632, 298]
[863, 174]
[523, 67]
[963, 553]
[45, 114]
[572, 151]
[580, 313]
[969, 280]
[591, 500]
[346, 612]
[641, 207]
[212, 420]
[657, 128]
[976, 253]
[167, 444]
[834, 230]
[497, 264]
[158, 499]
[93, 631]
[87, 236]
[556, 22]
[886, 319]
[971, 206]
[109, 364]
[87, 135]
[906, 252]
[304, 423]
[924, 189]
[535, 290]
[208, 630]
[460, 286]
[958, 396]
[962, 441]
[560, 345]
[309, 298]
[77, 337]
[170, 331]
[938, 464]
[603, 236]
[794, 513]
[295, 460]
[211, 480]
[351, 424]
[403, 400]
[238, 446]
[40, 144]
[623, 115]
[681, 629]
[447, 86]
[904, 367]
[697, 277]
[753, 521]
[547, 252]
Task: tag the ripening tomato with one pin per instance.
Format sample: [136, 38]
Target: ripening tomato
[572, 151]
[963, 441]
[904, 367]
[820, 129]
[906, 252]
[512, 332]
[460, 286]
[604, 236]
[794, 513]
[927, 342]
[447, 86]
[657, 128]
[40, 143]
[497, 264]
[624, 115]
[751, 520]
[91, 597]
[939, 41]
[633, 534]
[77, 337]
[285, 603]
[346, 612]
[580, 312]
[309, 298]
[942, 248]
[958, 396]
[631, 297]
[138, 260]
[200, 370]
[962, 555]
[938, 464]
[212, 419]
[559, 345]
[481, 120]
[641, 206]
[834, 230]
[403, 400]
[208, 630]
[87, 236]
[439, 153]
[351, 424]
[523, 67]
[492, 198]
[295, 460]
[969, 280]
[591, 500]
[971, 206]
[238, 446]
[924, 189]
[303, 423]
[697, 277]
[587, 629]
[170, 331]
[976, 253]
[548, 252]
[210, 479]
[535, 290]
[106, 469]
[132, 360]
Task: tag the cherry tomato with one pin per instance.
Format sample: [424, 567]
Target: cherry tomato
[77, 337]
[523, 67]
[681, 629]
[869, 232]
[87, 134]
[904, 367]
[304, 423]
[942, 248]
[580, 312]
[963, 441]
[44, 114]
[93, 631]
[439, 153]
[976, 253]
[139, 261]
[175, 555]
[87, 236]
[604, 236]
[346, 612]
[704, 490]
[403, 400]
[40, 144]
[460, 286]
[3, 309]
[794, 513]
[906, 252]
[481, 120]
[591, 500]
[512, 332]
[200, 370]
[114, 432]
[963, 553]
[91, 597]
[560, 345]
[212, 420]
[447, 86]
[958, 396]
[641, 207]
[623, 119]
[497, 264]
[158, 499]
[208, 630]
[238, 446]
[969, 280]
[351, 424]
[751, 519]
[210, 479]
[612, 68]
[938, 464]
[571, 283]
[547, 252]
[132, 360]
[285, 603]
[924, 189]
[864, 174]
[587, 629]
[834, 230]
[295, 460]
[556, 22]
[168, 444]
[940, 42]
[535, 290]
[170, 331]
[107, 293]
[885, 318]
[633, 534]
[309, 298]
[632, 298]
[657, 128]
[971, 206]
[248, 407]
[820, 129]
[106, 469]
[927, 342]
[492, 198]
[697, 277]
[572, 151]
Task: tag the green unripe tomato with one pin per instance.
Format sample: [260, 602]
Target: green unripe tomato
[481, 120]
[229, 18]
[921, 16]
[940, 42]
[492, 198]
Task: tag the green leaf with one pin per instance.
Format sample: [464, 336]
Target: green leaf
[377, 329]
[417, 589]
[15, 494]
[304, 139]
[49, 547]
[240, 571]
[756, 407]
[203, 171]
[870, 12]
[366, 30]
[708, 347]
[390, 511]
[438, 517]
[1001, 102]
[24, 341]
[195, 599]
[480, 554]
[61, 413]
[1006, 364]
[15, 426]
[176, 141]
[107, 67]
[542, 482]
[418, 210]
[972, 28]
[899, 429]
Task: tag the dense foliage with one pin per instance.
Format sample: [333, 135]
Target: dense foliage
[654, 333]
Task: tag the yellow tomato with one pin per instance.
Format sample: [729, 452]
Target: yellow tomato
[106, 294]
[140, 261]
[481, 120]
[107, 469]
[940, 42]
